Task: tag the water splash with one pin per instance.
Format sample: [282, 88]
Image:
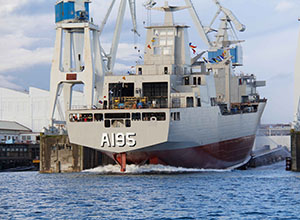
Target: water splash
[149, 169]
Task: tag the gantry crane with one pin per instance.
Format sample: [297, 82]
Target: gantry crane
[78, 55]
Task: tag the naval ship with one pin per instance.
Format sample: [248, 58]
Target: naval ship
[177, 108]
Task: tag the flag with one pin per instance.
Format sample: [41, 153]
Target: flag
[205, 60]
[192, 46]
[214, 59]
[224, 53]
[149, 46]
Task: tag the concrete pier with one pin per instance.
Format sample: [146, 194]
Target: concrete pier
[58, 155]
[295, 150]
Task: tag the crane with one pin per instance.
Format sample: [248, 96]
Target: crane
[78, 55]
[222, 31]
[111, 56]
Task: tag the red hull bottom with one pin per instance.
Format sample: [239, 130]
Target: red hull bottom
[219, 155]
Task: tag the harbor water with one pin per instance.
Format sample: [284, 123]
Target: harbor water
[152, 192]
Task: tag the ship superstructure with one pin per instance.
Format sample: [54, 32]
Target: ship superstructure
[174, 109]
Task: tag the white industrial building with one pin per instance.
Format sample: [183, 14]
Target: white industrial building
[30, 109]
[273, 136]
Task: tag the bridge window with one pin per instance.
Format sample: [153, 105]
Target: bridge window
[199, 80]
[194, 80]
[175, 116]
[189, 102]
[140, 70]
[198, 102]
[166, 70]
[213, 101]
[186, 80]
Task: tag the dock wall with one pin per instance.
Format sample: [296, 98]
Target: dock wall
[295, 150]
[58, 155]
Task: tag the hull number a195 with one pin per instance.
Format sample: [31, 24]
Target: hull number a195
[118, 140]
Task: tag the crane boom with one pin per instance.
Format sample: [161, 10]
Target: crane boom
[106, 16]
[133, 15]
[198, 23]
[117, 33]
[238, 25]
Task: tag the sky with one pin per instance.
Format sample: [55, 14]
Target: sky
[27, 37]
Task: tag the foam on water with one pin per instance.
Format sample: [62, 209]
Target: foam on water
[149, 169]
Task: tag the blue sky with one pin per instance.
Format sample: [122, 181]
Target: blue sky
[27, 37]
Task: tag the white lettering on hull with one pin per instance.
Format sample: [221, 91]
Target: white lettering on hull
[118, 140]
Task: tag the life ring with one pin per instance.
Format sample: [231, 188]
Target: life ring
[153, 118]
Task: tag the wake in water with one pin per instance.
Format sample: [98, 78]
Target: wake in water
[148, 169]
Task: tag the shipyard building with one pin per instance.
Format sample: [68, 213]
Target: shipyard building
[29, 108]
